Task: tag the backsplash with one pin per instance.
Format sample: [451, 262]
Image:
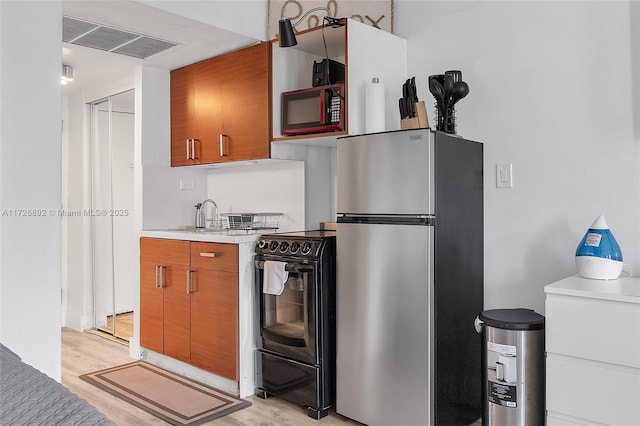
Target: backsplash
[277, 187]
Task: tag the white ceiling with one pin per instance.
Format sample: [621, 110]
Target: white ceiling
[95, 68]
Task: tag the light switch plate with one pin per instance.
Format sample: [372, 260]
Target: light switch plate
[504, 175]
[186, 184]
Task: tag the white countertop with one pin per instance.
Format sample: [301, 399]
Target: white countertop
[234, 237]
[623, 289]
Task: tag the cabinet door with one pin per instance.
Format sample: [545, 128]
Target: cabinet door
[208, 110]
[177, 317]
[246, 118]
[151, 311]
[182, 116]
[214, 322]
[164, 302]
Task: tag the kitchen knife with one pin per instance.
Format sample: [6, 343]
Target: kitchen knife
[403, 109]
[411, 108]
[414, 91]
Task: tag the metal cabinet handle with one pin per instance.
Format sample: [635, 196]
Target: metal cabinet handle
[160, 283]
[189, 282]
[191, 153]
[163, 284]
[222, 145]
[209, 254]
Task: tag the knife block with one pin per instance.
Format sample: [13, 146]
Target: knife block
[420, 121]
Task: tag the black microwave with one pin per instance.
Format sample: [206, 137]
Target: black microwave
[315, 110]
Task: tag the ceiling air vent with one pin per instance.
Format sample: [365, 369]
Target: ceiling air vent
[102, 37]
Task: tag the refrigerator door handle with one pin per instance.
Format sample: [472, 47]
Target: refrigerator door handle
[387, 219]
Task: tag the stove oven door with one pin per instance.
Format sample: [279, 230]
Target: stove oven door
[288, 321]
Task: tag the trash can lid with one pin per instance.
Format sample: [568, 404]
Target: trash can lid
[513, 319]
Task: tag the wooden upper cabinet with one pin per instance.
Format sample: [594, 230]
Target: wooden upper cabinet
[182, 116]
[208, 106]
[246, 108]
[220, 108]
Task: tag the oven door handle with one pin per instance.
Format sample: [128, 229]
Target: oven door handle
[290, 267]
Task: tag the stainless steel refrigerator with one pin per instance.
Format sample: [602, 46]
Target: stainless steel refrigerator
[409, 278]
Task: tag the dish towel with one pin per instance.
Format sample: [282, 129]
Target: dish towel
[274, 277]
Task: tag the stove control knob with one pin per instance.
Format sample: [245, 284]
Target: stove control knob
[306, 248]
[284, 246]
[262, 244]
[273, 246]
[295, 246]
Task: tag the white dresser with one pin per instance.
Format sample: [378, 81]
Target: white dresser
[593, 352]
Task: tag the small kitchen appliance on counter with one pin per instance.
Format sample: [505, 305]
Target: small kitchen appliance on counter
[598, 255]
[295, 359]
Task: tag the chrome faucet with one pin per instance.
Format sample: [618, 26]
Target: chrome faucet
[213, 222]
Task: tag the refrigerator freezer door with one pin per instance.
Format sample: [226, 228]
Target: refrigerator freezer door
[384, 315]
[386, 173]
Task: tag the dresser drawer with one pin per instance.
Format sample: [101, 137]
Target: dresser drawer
[594, 329]
[164, 251]
[602, 393]
[218, 256]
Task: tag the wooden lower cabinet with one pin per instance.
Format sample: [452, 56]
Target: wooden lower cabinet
[177, 314]
[214, 322]
[151, 308]
[189, 307]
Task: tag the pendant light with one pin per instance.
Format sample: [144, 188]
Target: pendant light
[287, 34]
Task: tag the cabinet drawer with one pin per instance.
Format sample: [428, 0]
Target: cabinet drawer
[594, 329]
[165, 251]
[593, 391]
[218, 256]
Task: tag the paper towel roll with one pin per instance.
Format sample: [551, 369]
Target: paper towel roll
[374, 120]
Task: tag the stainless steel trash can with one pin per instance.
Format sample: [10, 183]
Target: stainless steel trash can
[513, 367]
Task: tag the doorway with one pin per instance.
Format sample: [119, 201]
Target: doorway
[112, 221]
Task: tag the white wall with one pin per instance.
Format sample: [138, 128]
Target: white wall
[553, 90]
[261, 188]
[30, 177]
[228, 15]
[76, 266]
[164, 204]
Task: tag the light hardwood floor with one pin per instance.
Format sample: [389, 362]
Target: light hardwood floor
[85, 352]
[124, 325]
